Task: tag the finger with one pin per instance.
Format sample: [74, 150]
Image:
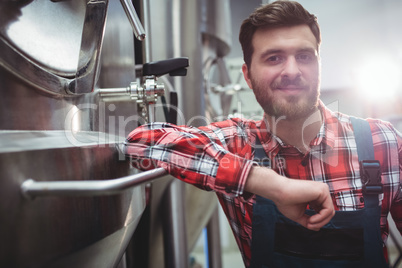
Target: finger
[325, 212]
[303, 221]
[319, 220]
[313, 227]
[323, 216]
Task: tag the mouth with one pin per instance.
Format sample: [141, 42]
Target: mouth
[292, 89]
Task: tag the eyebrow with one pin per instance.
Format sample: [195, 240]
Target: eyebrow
[270, 51]
[308, 49]
[276, 51]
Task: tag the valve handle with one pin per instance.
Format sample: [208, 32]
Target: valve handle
[173, 67]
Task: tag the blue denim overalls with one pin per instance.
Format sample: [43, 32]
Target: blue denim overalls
[350, 239]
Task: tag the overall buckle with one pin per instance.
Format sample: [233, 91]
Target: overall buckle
[371, 176]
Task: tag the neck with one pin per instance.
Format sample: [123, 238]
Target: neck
[296, 132]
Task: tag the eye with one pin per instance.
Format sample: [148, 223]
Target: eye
[275, 59]
[305, 57]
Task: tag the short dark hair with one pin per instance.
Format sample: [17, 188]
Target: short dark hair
[276, 14]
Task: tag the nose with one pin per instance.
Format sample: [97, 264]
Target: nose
[291, 69]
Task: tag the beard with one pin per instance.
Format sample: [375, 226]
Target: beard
[291, 107]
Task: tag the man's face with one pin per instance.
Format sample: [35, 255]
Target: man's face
[285, 71]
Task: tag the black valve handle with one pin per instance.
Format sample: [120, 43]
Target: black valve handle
[173, 67]
[170, 111]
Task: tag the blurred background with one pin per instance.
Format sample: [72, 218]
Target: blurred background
[361, 57]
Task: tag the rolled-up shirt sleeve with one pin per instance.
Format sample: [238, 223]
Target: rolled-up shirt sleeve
[212, 158]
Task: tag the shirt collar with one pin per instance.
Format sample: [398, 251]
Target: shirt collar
[327, 134]
[270, 142]
[329, 129]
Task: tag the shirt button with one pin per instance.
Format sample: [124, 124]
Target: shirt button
[361, 199]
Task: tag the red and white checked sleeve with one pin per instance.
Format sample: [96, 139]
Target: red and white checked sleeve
[210, 158]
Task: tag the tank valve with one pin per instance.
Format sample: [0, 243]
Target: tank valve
[147, 94]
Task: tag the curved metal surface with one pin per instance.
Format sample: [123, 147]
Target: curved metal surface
[36, 32]
[53, 46]
[31, 188]
[64, 230]
[85, 231]
[30, 73]
[91, 45]
[50, 133]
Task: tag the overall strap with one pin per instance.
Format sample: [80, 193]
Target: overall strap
[369, 167]
[370, 173]
[364, 140]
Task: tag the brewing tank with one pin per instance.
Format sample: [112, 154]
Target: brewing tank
[56, 128]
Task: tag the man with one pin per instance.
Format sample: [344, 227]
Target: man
[309, 148]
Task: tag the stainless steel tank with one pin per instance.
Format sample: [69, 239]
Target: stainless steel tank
[54, 127]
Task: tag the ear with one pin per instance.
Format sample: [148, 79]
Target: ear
[246, 75]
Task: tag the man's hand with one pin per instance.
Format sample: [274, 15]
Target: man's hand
[292, 196]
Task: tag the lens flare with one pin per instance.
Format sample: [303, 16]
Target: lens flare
[380, 78]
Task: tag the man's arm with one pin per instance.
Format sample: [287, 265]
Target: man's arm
[292, 196]
[198, 156]
[212, 158]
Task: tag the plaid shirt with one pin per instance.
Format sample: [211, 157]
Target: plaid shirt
[218, 158]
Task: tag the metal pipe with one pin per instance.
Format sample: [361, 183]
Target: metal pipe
[113, 91]
[134, 20]
[214, 241]
[31, 188]
[147, 43]
[174, 224]
[151, 113]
